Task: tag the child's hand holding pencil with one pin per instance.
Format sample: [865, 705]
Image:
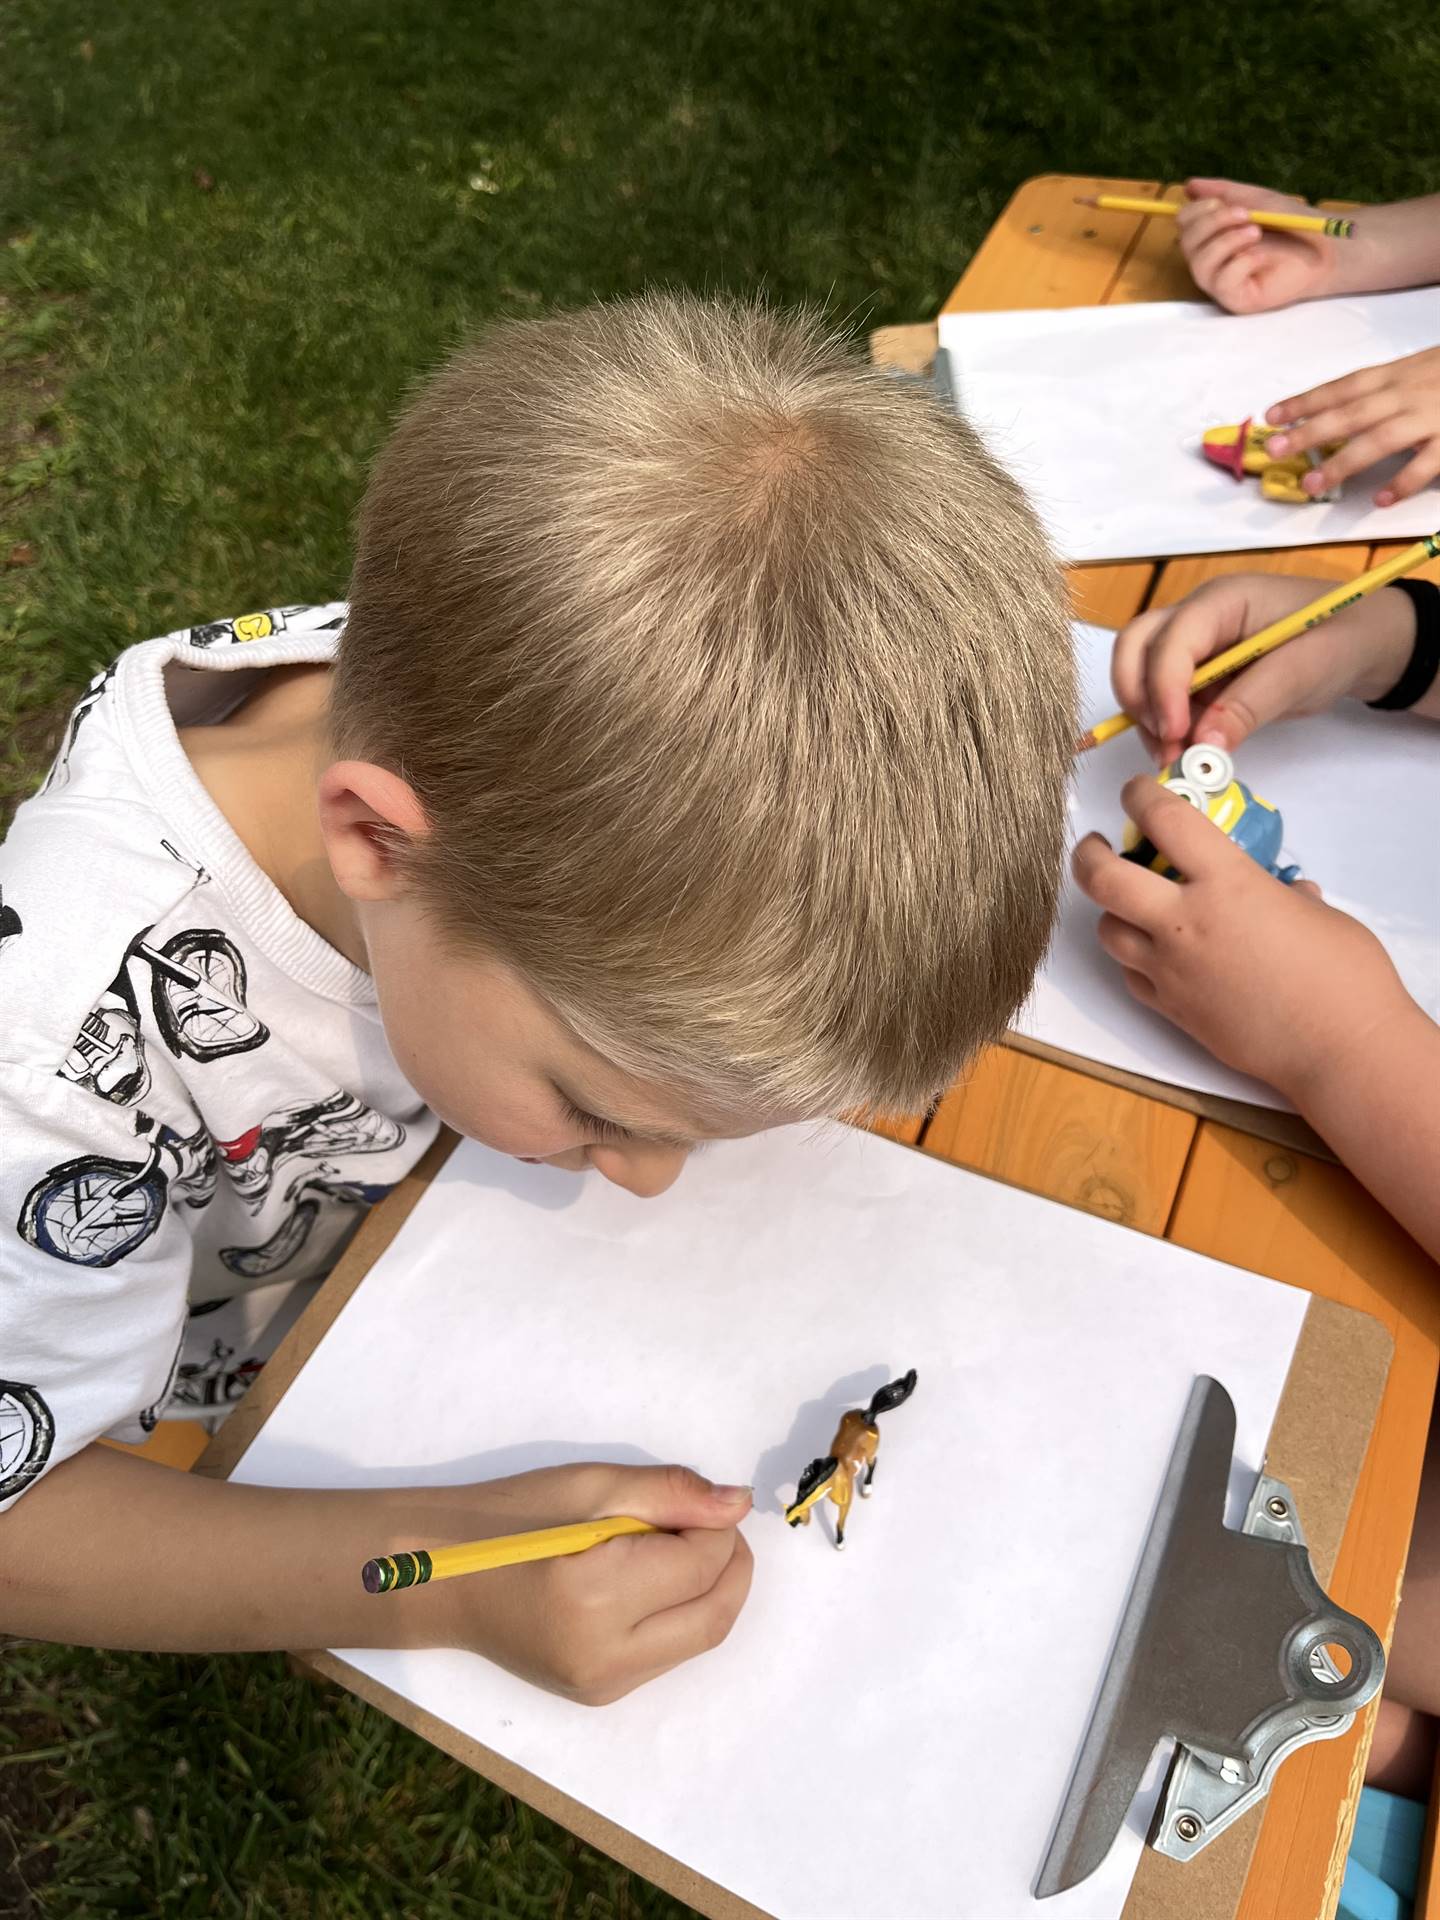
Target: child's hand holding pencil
[1358, 653]
[595, 1624]
[1244, 267]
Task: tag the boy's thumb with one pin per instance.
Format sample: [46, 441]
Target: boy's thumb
[1251, 700]
[677, 1497]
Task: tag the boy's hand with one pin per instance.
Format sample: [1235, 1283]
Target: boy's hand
[1376, 412]
[1245, 268]
[1267, 977]
[1360, 652]
[594, 1625]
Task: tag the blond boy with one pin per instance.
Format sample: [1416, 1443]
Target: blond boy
[691, 760]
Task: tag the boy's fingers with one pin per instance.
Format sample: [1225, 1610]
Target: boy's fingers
[1424, 468]
[1332, 393]
[1127, 662]
[1134, 950]
[1212, 619]
[1193, 845]
[662, 1570]
[1200, 221]
[1391, 436]
[672, 1497]
[1122, 888]
[1208, 263]
[1242, 193]
[1238, 707]
[1141, 987]
[679, 1632]
[1338, 422]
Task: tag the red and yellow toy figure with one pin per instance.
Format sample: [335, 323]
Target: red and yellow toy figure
[1243, 449]
[856, 1442]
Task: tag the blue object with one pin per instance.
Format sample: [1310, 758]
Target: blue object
[1382, 1872]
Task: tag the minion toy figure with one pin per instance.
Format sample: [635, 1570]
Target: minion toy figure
[1205, 777]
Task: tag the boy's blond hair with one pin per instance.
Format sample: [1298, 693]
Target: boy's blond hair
[734, 678]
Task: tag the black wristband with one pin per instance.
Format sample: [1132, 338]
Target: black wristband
[1424, 663]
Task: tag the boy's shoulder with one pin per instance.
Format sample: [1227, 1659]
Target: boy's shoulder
[109, 846]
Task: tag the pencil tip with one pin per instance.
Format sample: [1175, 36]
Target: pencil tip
[1087, 200]
[1085, 743]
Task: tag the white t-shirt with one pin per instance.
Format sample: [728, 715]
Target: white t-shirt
[197, 1100]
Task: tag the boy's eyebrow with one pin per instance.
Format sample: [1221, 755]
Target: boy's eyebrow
[651, 1136]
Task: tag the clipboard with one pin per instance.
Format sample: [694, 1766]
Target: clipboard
[1317, 1445]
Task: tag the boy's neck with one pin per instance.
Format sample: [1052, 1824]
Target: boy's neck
[260, 766]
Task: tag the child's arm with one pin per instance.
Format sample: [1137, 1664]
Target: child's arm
[1250, 269]
[1277, 984]
[110, 1551]
[1358, 654]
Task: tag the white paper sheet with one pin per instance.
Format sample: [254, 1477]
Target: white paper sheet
[887, 1732]
[1360, 796]
[1098, 413]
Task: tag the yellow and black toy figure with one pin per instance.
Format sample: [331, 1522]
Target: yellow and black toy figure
[1246, 449]
[856, 1442]
[1205, 777]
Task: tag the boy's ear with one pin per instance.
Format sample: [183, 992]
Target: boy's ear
[364, 810]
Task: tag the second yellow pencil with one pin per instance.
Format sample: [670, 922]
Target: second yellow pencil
[1335, 225]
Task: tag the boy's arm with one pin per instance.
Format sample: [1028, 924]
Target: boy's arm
[111, 1551]
[1277, 984]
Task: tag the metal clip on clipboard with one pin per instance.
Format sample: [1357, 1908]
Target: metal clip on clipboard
[1222, 1647]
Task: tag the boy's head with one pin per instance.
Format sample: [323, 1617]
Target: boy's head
[712, 692]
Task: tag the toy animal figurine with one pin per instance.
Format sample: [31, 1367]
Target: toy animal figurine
[1245, 449]
[856, 1443]
[1205, 776]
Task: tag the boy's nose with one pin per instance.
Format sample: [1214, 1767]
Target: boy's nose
[643, 1171]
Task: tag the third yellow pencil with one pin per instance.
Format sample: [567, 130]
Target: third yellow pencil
[1279, 631]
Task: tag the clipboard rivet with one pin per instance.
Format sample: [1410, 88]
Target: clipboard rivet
[1188, 1827]
[1277, 1508]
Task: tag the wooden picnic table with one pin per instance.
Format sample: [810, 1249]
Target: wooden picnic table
[1142, 1162]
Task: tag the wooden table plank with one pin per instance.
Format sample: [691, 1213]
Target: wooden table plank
[1310, 1224]
[174, 1443]
[1044, 251]
[1061, 1133]
[1109, 595]
[1185, 572]
[1154, 267]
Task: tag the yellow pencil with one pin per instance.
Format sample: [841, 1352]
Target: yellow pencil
[1279, 631]
[1333, 224]
[390, 1571]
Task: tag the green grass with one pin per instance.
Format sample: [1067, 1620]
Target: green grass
[146, 1786]
[232, 235]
